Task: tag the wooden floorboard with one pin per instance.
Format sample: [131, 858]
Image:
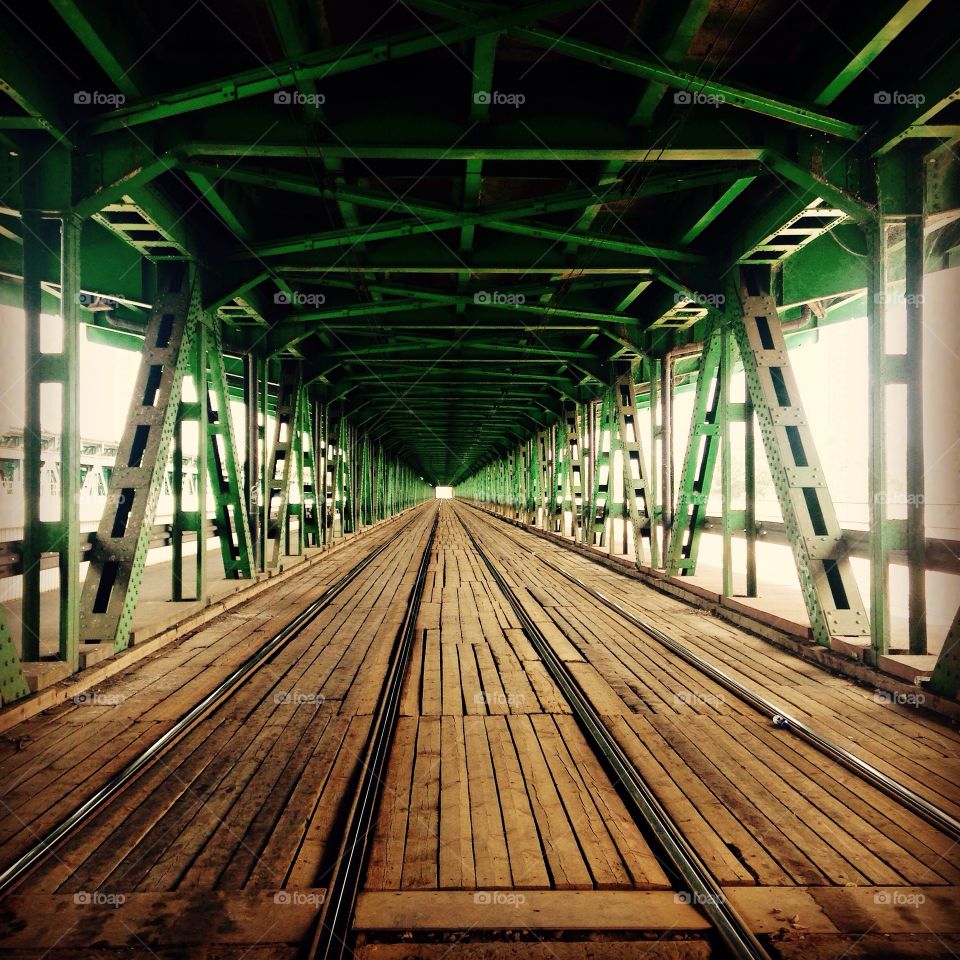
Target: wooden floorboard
[496, 813]
[753, 794]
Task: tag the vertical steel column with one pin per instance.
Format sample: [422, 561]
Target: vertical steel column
[263, 524]
[666, 442]
[195, 411]
[33, 537]
[602, 476]
[13, 684]
[900, 176]
[251, 452]
[60, 536]
[573, 488]
[750, 493]
[726, 461]
[656, 432]
[590, 471]
[229, 505]
[67, 535]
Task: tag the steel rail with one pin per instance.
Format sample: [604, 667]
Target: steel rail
[116, 784]
[704, 891]
[331, 938]
[782, 718]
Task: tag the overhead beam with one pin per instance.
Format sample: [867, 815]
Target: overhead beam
[872, 40]
[320, 65]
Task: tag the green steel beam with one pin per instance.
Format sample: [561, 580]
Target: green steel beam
[726, 94]
[734, 149]
[938, 88]
[95, 28]
[43, 94]
[687, 26]
[884, 23]
[318, 66]
[714, 210]
[798, 114]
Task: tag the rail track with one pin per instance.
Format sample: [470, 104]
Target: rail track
[17, 871]
[778, 714]
[694, 880]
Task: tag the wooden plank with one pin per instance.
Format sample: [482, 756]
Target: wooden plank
[315, 856]
[490, 855]
[523, 845]
[706, 822]
[253, 866]
[606, 866]
[385, 867]
[495, 698]
[60, 923]
[557, 837]
[456, 861]
[420, 855]
[647, 910]
[431, 694]
[474, 696]
[639, 859]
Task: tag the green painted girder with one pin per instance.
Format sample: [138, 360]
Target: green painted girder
[290, 332]
[318, 66]
[127, 184]
[574, 284]
[734, 149]
[709, 215]
[939, 86]
[598, 241]
[727, 94]
[96, 28]
[448, 220]
[463, 325]
[554, 203]
[33, 90]
[686, 27]
[880, 25]
[819, 186]
[486, 376]
[798, 114]
[386, 352]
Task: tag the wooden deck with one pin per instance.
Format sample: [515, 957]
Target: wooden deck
[500, 833]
